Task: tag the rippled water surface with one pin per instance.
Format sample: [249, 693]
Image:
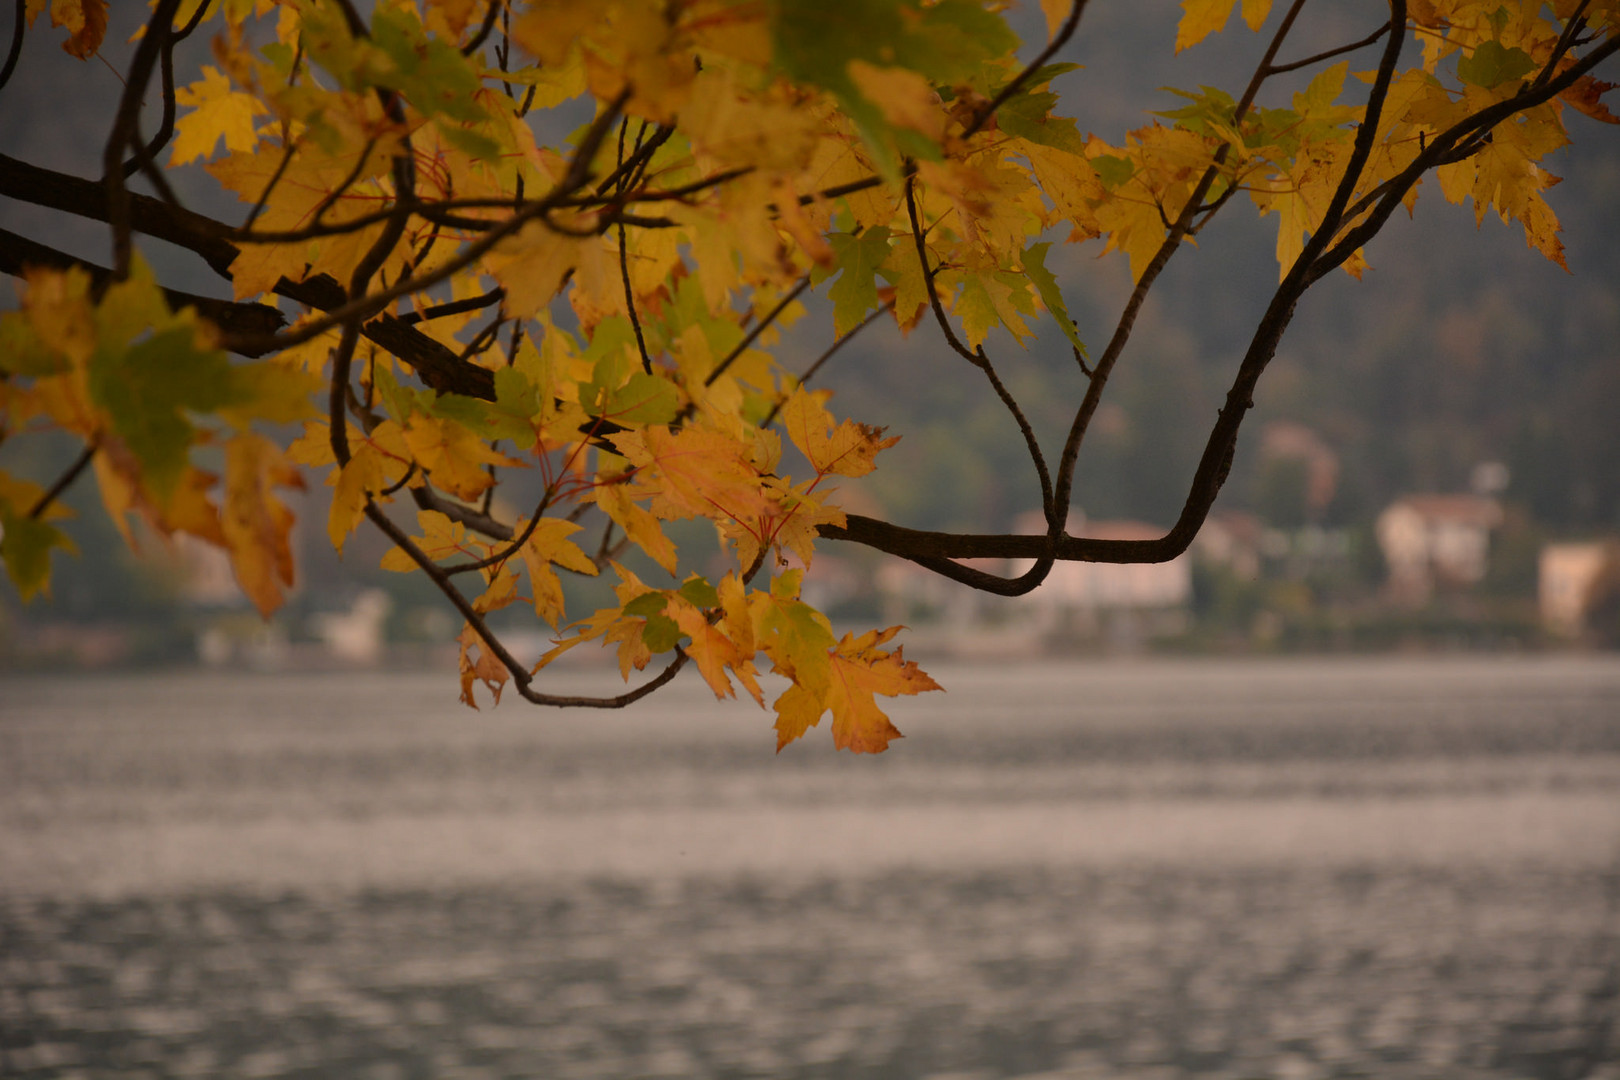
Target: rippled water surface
[1365, 868]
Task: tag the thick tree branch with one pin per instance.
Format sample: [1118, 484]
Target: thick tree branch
[435, 364]
[19, 27]
[17, 253]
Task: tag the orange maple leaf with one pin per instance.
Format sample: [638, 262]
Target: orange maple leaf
[478, 664]
[859, 671]
[695, 472]
[86, 22]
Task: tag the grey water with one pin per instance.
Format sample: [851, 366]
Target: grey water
[1159, 869]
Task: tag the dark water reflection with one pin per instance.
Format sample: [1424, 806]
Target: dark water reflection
[1372, 869]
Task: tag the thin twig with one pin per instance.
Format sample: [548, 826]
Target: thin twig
[1370, 39]
[624, 264]
[365, 307]
[478, 39]
[1061, 38]
[758, 329]
[977, 357]
[65, 481]
[454, 307]
[810, 372]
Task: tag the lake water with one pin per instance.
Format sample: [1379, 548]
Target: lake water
[1347, 868]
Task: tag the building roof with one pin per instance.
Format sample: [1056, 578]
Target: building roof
[1474, 510]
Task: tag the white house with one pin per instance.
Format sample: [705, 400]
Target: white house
[1436, 540]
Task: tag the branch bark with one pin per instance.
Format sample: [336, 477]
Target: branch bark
[435, 364]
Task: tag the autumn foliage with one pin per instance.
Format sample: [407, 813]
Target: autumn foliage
[560, 238]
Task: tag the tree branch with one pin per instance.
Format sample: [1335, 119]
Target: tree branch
[435, 364]
[17, 253]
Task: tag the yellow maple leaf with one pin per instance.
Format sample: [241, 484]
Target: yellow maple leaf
[353, 488]
[58, 306]
[22, 495]
[904, 97]
[533, 265]
[314, 180]
[795, 527]
[1055, 11]
[712, 651]
[695, 472]
[638, 524]
[500, 589]
[453, 456]
[217, 112]
[451, 16]
[849, 449]
[549, 544]
[257, 526]
[1201, 18]
[1070, 182]
[733, 126]
[798, 709]
[440, 539]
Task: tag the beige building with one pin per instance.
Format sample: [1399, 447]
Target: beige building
[1568, 579]
[1433, 541]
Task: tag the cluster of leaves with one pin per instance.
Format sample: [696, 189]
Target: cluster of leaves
[599, 310]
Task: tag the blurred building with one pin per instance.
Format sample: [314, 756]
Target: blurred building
[912, 593]
[1431, 541]
[1299, 474]
[356, 636]
[1085, 592]
[1570, 580]
[1234, 540]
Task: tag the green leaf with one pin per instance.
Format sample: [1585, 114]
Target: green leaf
[644, 399]
[1113, 171]
[398, 400]
[1028, 116]
[429, 71]
[661, 633]
[147, 389]
[276, 393]
[700, 593]
[948, 42]
[476, 146]
[1492, 65]
[1034, 259]
[517, 400]
[21, 350]
[855, 292]
[25, 546]
[1212, 107]
[976, 310]
[647, 605]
